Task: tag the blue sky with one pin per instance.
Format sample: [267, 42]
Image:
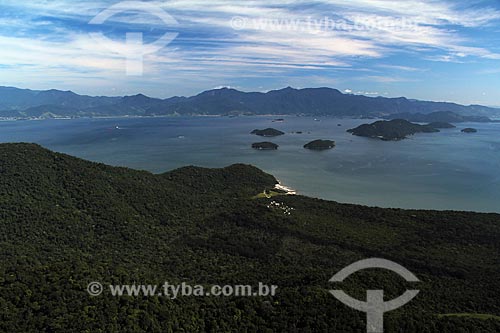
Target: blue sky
[433, 50]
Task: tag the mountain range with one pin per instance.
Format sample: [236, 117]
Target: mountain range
[440, 116]
[25, 103]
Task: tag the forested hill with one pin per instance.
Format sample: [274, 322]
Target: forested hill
[65, 222]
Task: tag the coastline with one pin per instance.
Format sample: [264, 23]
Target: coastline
[286, 189]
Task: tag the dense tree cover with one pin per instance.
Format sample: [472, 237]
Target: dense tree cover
[265, 146]
[65, 222]
[320, 145]
[268, 132]
[397, 129]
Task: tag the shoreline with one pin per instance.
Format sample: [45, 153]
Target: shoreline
[286, 189]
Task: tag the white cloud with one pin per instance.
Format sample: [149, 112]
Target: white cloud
[386, 79]
[209, 49]
[402, 68]
[368, 93]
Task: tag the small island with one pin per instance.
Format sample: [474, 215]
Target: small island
[469, 130]
[320, 145]
[265, 146]
[393, 130]
[441, 125]
[268, 132]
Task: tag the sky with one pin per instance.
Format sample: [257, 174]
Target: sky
[432, 50]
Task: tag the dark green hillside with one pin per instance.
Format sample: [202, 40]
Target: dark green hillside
[320, 145]
[265, 146]
[393, 130]
[268, 132]
[65, 222]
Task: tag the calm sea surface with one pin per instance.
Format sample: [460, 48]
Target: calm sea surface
[447, 170]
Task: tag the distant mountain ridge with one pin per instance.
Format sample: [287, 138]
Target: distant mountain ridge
[25, 103]
[23, 99]
[441, 116]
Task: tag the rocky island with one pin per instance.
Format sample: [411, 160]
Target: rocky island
[393, 130]
[469, 130]
[320, 145]
[265, 146]
[268, 132]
